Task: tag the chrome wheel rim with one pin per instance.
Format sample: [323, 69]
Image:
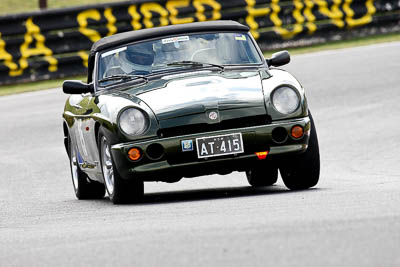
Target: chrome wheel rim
[74, 169]
[108, 171]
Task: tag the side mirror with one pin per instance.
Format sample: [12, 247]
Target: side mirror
[279, 58]
[77, 87]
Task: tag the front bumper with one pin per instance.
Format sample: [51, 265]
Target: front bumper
[174, 163]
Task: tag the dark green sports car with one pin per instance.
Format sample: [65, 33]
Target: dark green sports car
[186, 100]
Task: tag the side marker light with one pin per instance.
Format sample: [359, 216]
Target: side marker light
[262, 155]
[134, 154]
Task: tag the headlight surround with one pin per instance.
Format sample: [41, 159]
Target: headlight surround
[285, 99]
[133, 121]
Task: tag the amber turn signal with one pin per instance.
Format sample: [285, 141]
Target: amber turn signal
[134, 154]
[297, 132]
[262, 155]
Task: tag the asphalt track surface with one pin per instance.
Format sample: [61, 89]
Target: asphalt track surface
[352, 218]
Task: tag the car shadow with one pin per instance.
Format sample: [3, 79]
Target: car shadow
[213, 193]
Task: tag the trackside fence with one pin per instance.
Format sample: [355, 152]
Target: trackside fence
[55, 43]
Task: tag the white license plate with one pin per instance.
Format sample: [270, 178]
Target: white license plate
[212, 146]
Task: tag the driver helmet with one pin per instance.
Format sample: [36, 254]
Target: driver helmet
[140, 57]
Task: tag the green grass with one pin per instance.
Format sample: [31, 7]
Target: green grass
[376, 39]
[18, 6]
[34, 86]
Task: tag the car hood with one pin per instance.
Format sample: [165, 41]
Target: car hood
[182, 95]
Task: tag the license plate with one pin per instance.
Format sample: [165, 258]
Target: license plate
[212, 146]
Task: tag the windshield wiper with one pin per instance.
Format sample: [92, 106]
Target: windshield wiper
[194, 64]
[123, 77]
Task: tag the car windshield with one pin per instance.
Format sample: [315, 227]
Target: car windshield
[172, 53]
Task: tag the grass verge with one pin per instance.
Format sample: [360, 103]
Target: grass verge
[18, 6]
[362, 41]
[34, 86]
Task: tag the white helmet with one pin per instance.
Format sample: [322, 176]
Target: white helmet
[139, 59]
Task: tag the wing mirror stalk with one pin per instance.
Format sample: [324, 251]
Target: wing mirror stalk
[77, 87]
[278, 59]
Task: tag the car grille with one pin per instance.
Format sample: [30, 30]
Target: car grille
[223, 125]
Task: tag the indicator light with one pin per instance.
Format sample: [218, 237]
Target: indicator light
[134, 154]
[297, 132]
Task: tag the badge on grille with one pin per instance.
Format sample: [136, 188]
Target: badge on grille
[213, 115]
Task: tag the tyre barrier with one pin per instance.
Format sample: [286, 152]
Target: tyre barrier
[55, 43]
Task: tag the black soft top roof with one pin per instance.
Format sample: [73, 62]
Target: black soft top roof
[139, 35]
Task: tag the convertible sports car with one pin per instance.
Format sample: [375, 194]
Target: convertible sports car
[186, 100]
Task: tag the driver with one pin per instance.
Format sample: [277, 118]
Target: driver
[138, 59]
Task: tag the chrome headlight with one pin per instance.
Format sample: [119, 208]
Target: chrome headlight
[285, 99]
[133, 121]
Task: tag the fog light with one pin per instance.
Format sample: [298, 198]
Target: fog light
[134, 154]
[297, 132]
[262, 155]
[279, 135]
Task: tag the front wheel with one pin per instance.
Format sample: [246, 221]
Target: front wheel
[84, 187]
[120, 191]
[301, 171]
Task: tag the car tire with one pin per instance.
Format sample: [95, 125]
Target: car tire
[84, 188]
[262, 175]
[301, 171]
[120, 191]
